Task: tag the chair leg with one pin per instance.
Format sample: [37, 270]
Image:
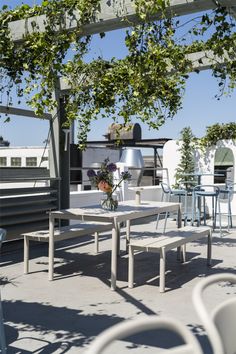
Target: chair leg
[193, 209]
[166, 215]
[214, 211]
[204, 211]
[219, 212]
[185, 208]
[230, 221]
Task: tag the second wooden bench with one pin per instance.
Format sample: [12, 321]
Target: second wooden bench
[162, 243]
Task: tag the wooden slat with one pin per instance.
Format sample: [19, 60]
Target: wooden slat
[29, 190]
[29, 209]
[23, 219]
[26, 200]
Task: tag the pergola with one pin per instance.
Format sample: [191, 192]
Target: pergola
[112, 16]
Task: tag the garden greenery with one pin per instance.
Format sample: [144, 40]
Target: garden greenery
[186, 167]
[148, 84]
[217, 132]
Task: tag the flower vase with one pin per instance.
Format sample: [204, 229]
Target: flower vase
[109, 201]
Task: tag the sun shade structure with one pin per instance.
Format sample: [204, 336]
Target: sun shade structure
[111, 16]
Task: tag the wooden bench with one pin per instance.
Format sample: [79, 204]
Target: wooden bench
[163, 243]
[64, 233]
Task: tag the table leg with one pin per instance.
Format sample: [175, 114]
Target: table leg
[127, 234]
[114, 249]
[162, 270]
[51, 248]
[179, 218]
[209, 246]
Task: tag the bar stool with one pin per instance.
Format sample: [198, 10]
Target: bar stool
[228, 191]
[2, 332]
[203, 192]
[169, 193]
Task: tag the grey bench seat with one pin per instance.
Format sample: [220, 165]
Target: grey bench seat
[163, 243]
[64, 233]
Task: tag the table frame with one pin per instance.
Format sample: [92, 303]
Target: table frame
[122, 214]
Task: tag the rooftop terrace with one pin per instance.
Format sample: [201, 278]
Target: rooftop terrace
[63, 316]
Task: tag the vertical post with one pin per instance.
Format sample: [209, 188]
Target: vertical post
[59, 159]
[155, 167]
[64, 160]
[51, 247]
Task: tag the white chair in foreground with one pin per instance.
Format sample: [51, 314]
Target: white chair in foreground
[221, 323]
[131, 327]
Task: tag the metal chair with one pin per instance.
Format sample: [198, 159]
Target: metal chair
[131, 327]
[220, 324]
[168, 192]
[203, 192]
[2, 332]
[227, 192]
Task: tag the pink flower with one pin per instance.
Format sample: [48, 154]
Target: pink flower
[104, 187]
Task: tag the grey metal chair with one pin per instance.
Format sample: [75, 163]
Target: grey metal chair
[202, 192]
[220, 323]
[228, 192]
[2, 331]
[153, 322]
[167, 194]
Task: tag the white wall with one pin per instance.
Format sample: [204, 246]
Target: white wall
[87, 198]
[204, 163]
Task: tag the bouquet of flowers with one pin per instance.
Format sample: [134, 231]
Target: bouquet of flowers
[103, 179]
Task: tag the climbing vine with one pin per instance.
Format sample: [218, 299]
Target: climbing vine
[148, 84]
[217, 132]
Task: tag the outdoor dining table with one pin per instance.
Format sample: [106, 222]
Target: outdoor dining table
[126, 211]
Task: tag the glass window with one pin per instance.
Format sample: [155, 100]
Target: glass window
[16, 161]
[31, 161]
[3, 161]
[223, 165]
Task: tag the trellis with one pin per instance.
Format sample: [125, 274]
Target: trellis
[116, 14]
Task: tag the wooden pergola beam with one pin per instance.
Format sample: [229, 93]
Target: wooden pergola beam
[112, 16]
[23, 112]
[202, 60]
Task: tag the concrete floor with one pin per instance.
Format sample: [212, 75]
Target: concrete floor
[64, 316]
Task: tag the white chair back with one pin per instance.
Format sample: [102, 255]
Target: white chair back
[131, 327]
[221, 323]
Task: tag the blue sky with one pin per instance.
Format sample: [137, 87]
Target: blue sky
[200, 108]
